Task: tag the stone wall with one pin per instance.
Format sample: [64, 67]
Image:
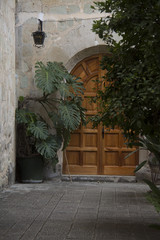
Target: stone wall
[67, 24]
[7, 92]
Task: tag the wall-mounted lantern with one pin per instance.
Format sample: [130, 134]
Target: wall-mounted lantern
[39, 35]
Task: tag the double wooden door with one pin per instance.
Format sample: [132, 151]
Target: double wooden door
[96, 151]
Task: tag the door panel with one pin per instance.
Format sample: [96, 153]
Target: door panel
[96, 151]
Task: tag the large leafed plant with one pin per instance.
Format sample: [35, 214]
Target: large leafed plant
[44, 123]
[131, 98]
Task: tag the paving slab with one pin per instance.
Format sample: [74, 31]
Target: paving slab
[58, 210]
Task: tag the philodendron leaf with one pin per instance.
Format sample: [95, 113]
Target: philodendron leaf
[44, 78]
[70, 115]
[47, 148]
[49, 77]
[140, 166]
[39, 130]
[64, 90]
[23, 116]
[57, 122]
[76, 85]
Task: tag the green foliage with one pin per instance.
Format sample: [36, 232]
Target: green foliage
[154, 195]
[70, 115]
[24, 116]
[62, 102]
[47, 147]
[49, 77]
[66, 137]
[140, 166]
[39, 130]
[132, 96]
[152, 145]
[153, 187]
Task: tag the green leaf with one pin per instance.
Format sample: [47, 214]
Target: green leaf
[24, 116]
[153, 187]
[44, 78]
[70, 115]
[57, 122]
[39, 130]
[49, 77]
[21, 98]
[47, 148]
[64, 90]
[21, 116]
[128, 155]
[76, 85]
[140, 166]
[154, 199]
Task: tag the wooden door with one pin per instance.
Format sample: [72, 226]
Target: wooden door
[96, 151]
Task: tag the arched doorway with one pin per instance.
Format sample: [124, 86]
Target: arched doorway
[96, 151]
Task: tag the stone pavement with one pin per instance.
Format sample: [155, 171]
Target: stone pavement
[58, 210]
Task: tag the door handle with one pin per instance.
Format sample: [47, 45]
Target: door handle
[103, 132]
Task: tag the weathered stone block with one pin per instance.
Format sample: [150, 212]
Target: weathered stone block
[58, 10]
[55, 53]
[24, 82]
[28, 6]
[4, 93]
[27, 50]
[49, 27]
[63, 26]
[25, 67]
[0, 92]
[73, 9]
[28, 28]
[87, 8]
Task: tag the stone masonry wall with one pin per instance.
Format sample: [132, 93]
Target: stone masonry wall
[7, 92]
[67, 24]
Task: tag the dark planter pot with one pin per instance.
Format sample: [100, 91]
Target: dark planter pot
[31, 169]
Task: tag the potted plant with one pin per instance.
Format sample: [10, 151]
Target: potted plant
[44, 123]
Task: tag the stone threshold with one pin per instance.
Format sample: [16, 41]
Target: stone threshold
[99, 178]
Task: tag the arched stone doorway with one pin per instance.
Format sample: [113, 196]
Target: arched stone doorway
[96, 151]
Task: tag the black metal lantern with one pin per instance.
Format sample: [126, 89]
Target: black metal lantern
[39, 36]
